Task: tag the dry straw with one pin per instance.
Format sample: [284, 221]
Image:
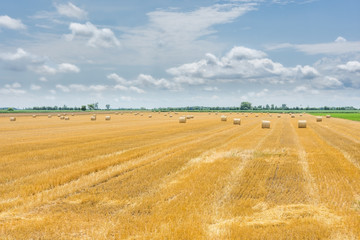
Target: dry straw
[62, 118]
[93, 118]
[67, 118]
[223, 118]
[265, 124]
[150, 116]
[12, 119]
[49, 116]
[34, 116]
[319, 119]
[302, 124]
[107, 118]
[237, 121]
[292, 116]
[182, 119]
[328, 116]
[279, 116]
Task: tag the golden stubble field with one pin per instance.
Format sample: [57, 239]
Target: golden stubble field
[135, 177]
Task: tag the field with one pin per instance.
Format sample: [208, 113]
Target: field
[349, 116]
[136, 177]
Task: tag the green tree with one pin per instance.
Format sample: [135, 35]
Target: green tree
[83, 108]
[91, 106]
[107, 106]
[10, 109]
[245, 106]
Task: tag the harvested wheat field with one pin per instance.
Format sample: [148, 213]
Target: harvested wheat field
[136, 177]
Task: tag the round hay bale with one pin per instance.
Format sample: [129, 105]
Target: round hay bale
[302, 124]
[300, 115]
[257, 115]
[292, 116]
[12, 119]
[72, 114]
[67, 118]
[59, 115]
[107, 118]
[49, 116]
[265, 124]
[328, 116]
[188, 116]
[34, 116]
[116, 113]
[237, 121]
[223, 118]
[62, 118]
[150, 116]
[170, 116]
[93, 118]
[279, 116]
[182, 119]
[319, 119]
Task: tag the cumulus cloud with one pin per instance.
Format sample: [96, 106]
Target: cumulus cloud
[70, 10]
[22, 60]
[327, 83]
[351, 66]
[239, 64]
[67, 67]
[103, 37]
[117, 78]
[148, 80]
[11, 23]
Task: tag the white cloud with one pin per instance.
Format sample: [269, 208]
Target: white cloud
[240, 64]
[12, 89]
[62, 88]
[117, 78]
[35, 87]
[189, 31]
[11, 23]
[70, 10]
[136, 89]
[148, 80]
[305, 89]
[22, 60]
[44, 69]
[327, 83]
[96, 37]
[340, 39]
[67, 67]
[19, 54]
[307, 71]
[351, 66]
[338, 47]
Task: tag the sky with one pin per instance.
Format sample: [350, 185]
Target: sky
[175, 53]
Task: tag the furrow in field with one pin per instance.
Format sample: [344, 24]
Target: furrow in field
[33, 162]
[272, 195]
[92, 178]
[134, 183]
[348, 146]
[336, 177]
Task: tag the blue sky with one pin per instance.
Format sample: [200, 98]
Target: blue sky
[159, 53]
